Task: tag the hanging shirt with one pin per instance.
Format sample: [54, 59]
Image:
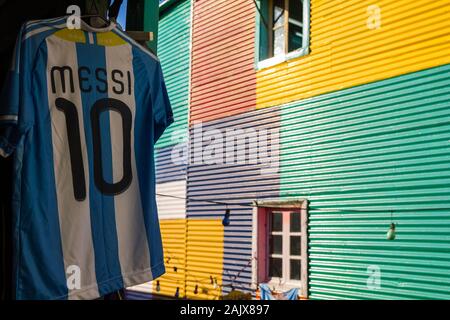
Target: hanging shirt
[266, 293]
[80, 113]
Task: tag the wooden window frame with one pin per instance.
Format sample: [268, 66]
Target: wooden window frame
[286, 256]
[304, 50]
[285, 28]
[260, 252]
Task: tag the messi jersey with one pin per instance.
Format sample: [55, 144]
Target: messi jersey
[80, 112]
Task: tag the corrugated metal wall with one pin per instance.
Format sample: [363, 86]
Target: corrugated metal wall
[235, 183]
[204, 259]
[360, 154]
[171, 163]
[174, 54]
[173, 207]
[173, 234]
[363, 155]
[414, 35]
[175, 23]
[171, 193]
[223, 75]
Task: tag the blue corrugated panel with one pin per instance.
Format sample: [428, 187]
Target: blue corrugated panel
[169, 163]
[136, 295]
[236, 184]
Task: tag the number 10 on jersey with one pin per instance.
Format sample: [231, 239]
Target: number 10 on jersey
[76, 157]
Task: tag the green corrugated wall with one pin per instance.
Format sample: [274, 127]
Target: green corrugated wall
[174, 54]
[361, 155]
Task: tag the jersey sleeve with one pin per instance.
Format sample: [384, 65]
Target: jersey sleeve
[15, 100]
[162, 110]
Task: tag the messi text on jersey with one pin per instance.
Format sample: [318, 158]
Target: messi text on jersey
[91, 80]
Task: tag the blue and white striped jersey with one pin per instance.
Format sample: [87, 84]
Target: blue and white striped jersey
[80, 112]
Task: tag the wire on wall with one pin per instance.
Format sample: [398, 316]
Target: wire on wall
[201, 282]
[390, 211]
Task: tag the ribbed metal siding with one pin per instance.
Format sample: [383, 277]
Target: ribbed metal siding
[170, 164]
[235, 184]
[223, 74]
[171, 181]
[173, 234]
[385, 147]
[174, 54]
[204, 258]
[414, 35]
[173, 207]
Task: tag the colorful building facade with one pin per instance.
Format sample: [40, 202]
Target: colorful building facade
[311, 127]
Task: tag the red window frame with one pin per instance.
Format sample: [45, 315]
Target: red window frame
[262, 247]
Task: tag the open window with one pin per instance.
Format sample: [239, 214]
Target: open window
[283, 27]
[280, 246]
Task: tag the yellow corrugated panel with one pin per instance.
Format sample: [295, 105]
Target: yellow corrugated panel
[204, 258]
[414, 35]
[173, 234]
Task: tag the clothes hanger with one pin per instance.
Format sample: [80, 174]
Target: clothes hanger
[139, 36]
[96, 16]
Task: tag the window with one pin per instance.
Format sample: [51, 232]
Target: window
[283, 30]
[280, 245]
[285, 254]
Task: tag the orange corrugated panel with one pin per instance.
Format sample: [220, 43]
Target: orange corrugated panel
[223, 80]
[224, 73]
